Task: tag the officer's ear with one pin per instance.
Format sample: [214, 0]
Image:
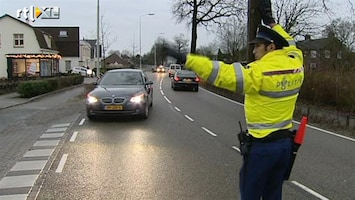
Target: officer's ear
[271, 47]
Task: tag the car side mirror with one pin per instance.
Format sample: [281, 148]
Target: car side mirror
[149, 83]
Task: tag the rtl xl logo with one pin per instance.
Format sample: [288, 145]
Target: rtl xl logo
[44, 12]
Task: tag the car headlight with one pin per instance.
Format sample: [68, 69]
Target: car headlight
[91, 99]
[137, 99]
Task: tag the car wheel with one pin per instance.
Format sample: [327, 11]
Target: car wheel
[90, 117]
[196, 89]
[145, 113]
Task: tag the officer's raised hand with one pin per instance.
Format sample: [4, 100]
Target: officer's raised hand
[266, 12]
[180, 57]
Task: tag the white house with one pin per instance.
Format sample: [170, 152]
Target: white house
[25, 50]
[85, 55]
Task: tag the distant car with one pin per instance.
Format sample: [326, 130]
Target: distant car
[160, 69]
[80, 70]
[173, 68]
[185, 79]
[121, 92]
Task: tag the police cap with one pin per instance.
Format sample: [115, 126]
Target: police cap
[266, 34]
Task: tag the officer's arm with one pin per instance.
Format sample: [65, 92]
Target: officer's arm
[233, 77]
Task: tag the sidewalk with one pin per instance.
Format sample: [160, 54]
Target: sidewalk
[14, 99]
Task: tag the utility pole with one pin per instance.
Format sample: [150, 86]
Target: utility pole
[98, 40]
[254, 19]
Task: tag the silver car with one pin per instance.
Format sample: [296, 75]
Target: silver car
[121, 92]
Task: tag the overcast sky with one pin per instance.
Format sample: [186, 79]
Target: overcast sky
[123, 17]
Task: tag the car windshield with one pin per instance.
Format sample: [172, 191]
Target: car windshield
[122, 78]
[185, 72]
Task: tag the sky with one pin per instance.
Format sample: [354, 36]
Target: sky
[123, 19]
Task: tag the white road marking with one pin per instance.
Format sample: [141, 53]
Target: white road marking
[319, 196]
[162, 92]
[81, 122]
[61, 163]
[167, 99]
[189, 118]
[236, 148]
[209, 132]
[72, 138]
[176, 108]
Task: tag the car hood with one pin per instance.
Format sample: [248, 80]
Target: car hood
[123, 91]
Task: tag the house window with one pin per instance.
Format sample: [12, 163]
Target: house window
[63, 33]
[313, 65]
[18, 40]
[48, 41]
[68, 65]
[314, 54]
[326, 53]
[339, 55]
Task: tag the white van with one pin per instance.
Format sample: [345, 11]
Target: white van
[173, 68]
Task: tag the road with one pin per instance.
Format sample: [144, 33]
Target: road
[186, 149]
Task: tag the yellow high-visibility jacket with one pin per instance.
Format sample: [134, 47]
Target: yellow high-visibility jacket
[270, 85]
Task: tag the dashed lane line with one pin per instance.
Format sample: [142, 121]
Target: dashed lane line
[61, 163]
[73, 137]
[82, 122]
[209, 132]
[167, 99]
[189, 118]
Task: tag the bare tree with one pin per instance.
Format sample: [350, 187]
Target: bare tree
[298, 17]
[106, 39]
[344, 30]
[209, 51]
[232, 37]
[181, 43]
[203, 12]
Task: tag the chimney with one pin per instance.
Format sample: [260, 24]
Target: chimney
[307, 37]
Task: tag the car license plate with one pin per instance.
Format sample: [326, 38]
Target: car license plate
[114, 107]
[187, 80]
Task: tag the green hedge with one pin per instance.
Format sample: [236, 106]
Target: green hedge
[28, 89]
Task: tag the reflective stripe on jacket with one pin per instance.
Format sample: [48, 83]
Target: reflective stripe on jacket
[271, 85]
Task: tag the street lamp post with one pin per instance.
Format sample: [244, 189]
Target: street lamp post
[97, 63]
[140, 39]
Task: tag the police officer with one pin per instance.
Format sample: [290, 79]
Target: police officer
[271, 85]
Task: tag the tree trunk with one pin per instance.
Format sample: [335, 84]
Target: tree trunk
[194, 29]
[254, 20]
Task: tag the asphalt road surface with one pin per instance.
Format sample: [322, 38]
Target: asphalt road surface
[186, 149]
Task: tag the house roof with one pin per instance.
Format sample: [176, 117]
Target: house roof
[39, 34]
[316, 44]
[66, 39]
[42, 42]
[115, 59]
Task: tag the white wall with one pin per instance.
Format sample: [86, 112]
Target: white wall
[7, 41]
